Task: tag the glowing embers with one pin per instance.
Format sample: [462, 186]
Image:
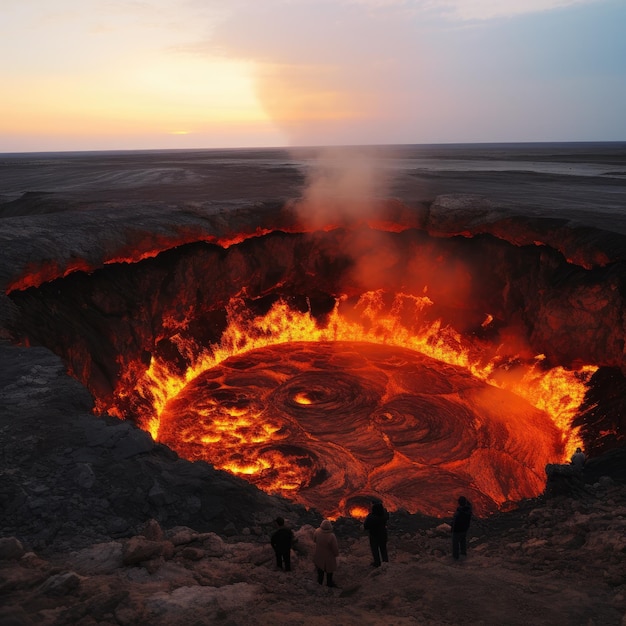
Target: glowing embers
[330, 424]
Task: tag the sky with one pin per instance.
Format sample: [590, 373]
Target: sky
[161, 74]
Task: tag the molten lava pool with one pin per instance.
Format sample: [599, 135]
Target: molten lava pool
[331, 424]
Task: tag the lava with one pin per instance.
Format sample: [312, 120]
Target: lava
[378, 421]
[329, 415]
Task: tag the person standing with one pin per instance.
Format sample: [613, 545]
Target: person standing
[460, 526]
[282, 540]
[326, 553]
[376, 524]
[578, 460]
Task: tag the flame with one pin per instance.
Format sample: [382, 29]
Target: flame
[358, 512]
[302, 398]
[559, 392]
[378, 318]
[488, 319]
[142, 246]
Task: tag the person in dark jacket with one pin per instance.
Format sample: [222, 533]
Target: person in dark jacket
[376, 524]
[460, 526]
[282, 540]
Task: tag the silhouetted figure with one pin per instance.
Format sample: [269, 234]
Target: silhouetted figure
[578, 460]
[282, 540]
[326, 553]
[460, 526]
[376, 524]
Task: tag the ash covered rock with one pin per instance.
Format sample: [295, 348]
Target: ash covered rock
[470, 216]
[70, 478]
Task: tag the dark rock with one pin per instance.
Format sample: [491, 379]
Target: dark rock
[138, 549]
[192, 554]
[160, 497]
[99, 558]
[60, 584]
[83, 475]
[564, 480]
[117, 526]
[15, 616]
[153, 531]
[133, 443]
[104, 604]
[11, 548]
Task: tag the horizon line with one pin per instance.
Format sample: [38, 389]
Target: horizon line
[312, 147]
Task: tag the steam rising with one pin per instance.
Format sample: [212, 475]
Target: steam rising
[344, 186]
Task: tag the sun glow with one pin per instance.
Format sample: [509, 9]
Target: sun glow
[161, 97]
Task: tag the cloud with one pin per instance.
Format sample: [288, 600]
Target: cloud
[325, 72]
[409, 71]
[469, 10]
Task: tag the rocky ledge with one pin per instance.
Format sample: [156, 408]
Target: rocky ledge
[555, 561]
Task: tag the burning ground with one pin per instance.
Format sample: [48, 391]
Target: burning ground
[418, 352]
[336, 365]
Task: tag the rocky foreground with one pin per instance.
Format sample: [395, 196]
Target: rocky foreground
[555, 561]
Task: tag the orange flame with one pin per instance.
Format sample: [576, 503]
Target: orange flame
[374, 319]
[558, 392]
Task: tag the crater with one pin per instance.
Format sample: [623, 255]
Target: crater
[334, 365]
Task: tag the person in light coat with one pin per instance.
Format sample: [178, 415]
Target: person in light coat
[325, 553]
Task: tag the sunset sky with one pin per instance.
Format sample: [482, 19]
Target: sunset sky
[144, 74]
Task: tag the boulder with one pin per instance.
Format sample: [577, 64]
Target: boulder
[100, 558]
[60, 584]
[11, 548]
[138, 549]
